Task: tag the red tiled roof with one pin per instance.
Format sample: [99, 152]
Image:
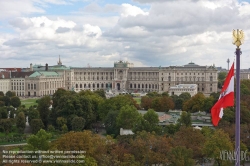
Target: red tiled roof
[11, 69]
[4, 75]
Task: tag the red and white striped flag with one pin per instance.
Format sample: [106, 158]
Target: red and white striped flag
[226, 98]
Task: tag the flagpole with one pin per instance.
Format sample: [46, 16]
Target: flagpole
[237, 120]
[238, 37]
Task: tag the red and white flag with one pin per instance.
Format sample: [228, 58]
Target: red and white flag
[226, 98]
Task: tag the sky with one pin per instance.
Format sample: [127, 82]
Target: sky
[144, 32]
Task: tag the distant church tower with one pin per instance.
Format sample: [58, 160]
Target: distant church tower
[59, 62]
[228, 63]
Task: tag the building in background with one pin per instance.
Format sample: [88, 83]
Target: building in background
[123, 77]
[181, 88]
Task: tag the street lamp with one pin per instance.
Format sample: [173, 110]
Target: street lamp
[238, 38]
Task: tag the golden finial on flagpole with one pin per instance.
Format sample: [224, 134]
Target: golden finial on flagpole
[238, 37]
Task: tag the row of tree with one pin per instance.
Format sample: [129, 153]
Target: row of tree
[142, 148]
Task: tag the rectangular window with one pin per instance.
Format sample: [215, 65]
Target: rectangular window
[31, 86]
[34, 86]
[28, 86]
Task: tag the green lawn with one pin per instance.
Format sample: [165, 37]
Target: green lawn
[138, 100]
[28, 102]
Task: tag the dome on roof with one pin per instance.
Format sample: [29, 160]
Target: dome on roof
[191, 64]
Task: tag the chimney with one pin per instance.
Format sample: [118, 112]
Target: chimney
[31, 67]
[46, 67]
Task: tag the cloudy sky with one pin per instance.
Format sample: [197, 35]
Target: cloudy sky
[144, 32]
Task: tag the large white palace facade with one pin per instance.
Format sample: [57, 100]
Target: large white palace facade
[45, 80]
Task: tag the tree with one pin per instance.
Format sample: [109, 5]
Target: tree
[215, 96]
[195, 104]
[110, 123]
[20, 122]
[179, 103]
[6, 100]
[166, 104]
[115, 104]
[33, 114]
[77, 123]
[156, 104]
[217, 143]
[6, 125]
[94, 146]
[149, 122]
[207, 132]
[36, 125]
[101, 93]
[185, 119]
[208, 104]
[181, 156]
[60, 121]
[152, 117]
[51, 128]
[3, 113]
[153, 94]
[15, 101]
[2, 104]
[43, 108]
[165, 94]
[221, 78]
[185, 96]
[229, 115]
[64, 128]
[40, 141]
[171, 129]
[57, 95]
[146, 102]
[1, 93]
[193, 140]
[10, 94]
[148, 148]
[127, 117]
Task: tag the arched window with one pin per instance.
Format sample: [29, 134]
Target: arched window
[146, 85]
[138, 85]
[76, 85]
[134, 85]
[130, 85]
[142, 85]
[93, 85]
[97, 85]
[102, 85]
[84, 85]
[149, 86]
[153, 86]
[80, 85]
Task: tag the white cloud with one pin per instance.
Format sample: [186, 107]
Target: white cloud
[12, 8]
[170, 32]
[130, 10]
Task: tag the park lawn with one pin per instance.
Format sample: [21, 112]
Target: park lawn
[138, 100]
[28, 102]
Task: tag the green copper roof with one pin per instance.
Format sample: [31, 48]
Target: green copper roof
[35, 74]
[44, 73]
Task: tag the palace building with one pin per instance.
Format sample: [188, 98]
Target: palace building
[41, 80]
